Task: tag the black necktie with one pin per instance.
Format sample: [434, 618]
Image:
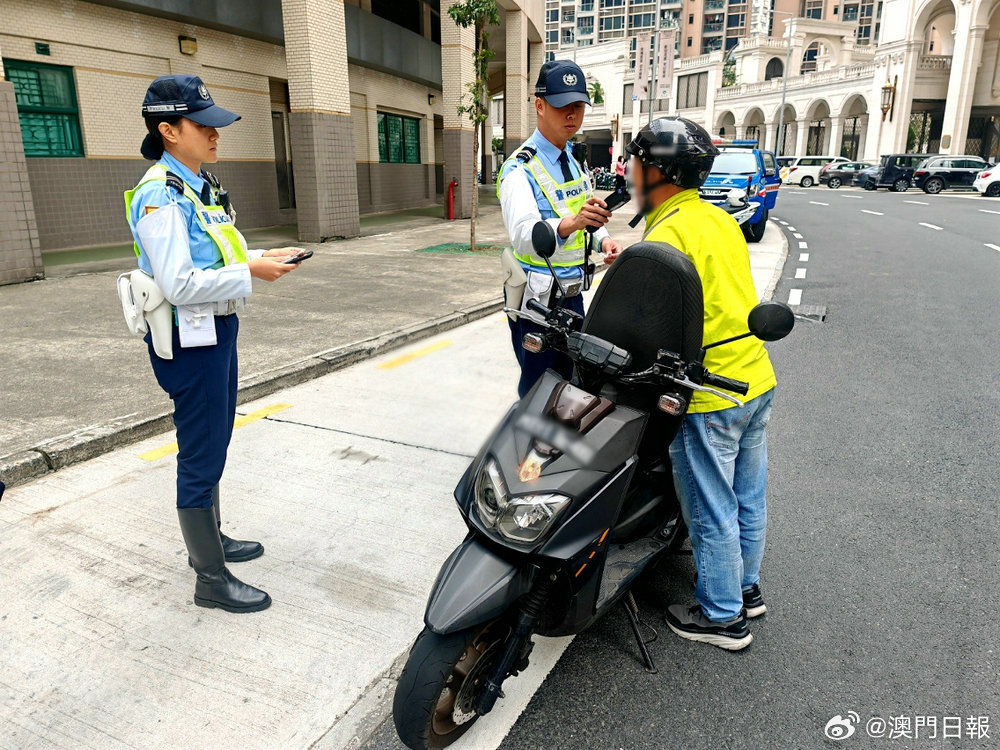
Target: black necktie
[567, 172]
[206, 194]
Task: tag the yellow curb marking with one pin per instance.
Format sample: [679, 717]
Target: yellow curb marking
[165, 450]
[414, 355]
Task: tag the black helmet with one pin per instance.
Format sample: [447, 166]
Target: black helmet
[681, 149]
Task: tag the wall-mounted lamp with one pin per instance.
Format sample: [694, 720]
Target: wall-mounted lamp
[188, 45]
[889, 97]
[431, 98]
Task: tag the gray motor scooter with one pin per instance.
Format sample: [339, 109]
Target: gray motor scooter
[572, 496]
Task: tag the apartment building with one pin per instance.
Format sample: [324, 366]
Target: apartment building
[704, 26]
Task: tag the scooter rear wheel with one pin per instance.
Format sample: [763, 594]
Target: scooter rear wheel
[440, 684]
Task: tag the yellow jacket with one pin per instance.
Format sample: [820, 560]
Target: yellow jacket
[714, 243]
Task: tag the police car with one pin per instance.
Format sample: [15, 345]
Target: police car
[743, 166]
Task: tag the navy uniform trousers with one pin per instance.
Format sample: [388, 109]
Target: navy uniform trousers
[202, 382]
[533, 366]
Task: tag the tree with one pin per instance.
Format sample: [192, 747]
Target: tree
[596, 93]
[729, 73]
[476, 14]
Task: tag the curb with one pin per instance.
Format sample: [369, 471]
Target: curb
[772, 285]
[95, 440]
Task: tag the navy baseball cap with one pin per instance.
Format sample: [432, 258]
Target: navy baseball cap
[562, 82]
[188, 97]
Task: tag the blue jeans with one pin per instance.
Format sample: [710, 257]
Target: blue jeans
[202, 383]
[720, 471]
[533, 366]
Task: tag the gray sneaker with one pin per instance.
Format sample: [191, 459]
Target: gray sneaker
[690, 623]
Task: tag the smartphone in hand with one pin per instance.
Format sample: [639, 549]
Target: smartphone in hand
[296, 259]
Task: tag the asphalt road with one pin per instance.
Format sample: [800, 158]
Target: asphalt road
[881, 571]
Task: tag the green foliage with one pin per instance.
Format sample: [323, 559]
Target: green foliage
[497, 144]
[729, 73]
[596, 93]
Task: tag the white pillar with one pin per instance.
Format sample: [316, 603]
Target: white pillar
[457, 70]
[961, 83]
[836, 134]
[801, 137]
[516, 91]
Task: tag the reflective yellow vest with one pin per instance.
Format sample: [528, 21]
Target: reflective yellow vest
[214, 220]
[565, 199]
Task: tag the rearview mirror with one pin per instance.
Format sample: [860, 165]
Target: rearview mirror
[543, 239]
[771, 321]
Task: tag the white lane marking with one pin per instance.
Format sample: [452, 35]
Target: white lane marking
[794, 296]
[819, 203]
[796, 235]
[930, 226]
[783, 222]
[873, 213]
[800, 273]
[855, 197]
[791, 228]
[993, 247]
[803, 245]
[803, 257]
[488, 732]
[917, 203]
[988, 211]
[797, 192]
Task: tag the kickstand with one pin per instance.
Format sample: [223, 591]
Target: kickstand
[632, 611]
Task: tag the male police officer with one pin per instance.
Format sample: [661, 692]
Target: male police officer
[542, 180]
[719, 456]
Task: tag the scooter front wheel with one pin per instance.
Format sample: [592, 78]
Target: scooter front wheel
[436, 695]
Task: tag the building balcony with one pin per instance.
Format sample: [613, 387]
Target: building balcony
[712, 28]
[857, 72]
[934, 62]
[714, 4]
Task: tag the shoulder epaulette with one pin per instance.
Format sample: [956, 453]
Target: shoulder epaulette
[211, 179]
[526, 154]
[174, 181]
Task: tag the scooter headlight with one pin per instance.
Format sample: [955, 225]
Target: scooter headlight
[526, 518]
[491, 493]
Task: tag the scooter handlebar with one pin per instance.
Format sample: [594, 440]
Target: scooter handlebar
[536, 306]
[736, 386]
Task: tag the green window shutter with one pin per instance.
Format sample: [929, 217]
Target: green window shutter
[383, 150]
[412, 139]
[395, 128]
[46, 108]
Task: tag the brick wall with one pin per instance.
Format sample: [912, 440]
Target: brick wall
[20, 255]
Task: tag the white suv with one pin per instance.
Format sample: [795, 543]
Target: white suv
[988, 182]
[804, 170]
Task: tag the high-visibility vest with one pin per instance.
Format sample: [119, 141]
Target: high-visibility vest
[565, 199]
[214, 220]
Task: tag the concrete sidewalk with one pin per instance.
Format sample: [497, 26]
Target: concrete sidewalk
[77, 384]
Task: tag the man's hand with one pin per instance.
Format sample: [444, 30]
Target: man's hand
[594, 213]
[283, 252]
[270, 268]
[611, 249]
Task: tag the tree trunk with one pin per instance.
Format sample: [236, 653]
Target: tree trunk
[477, 106]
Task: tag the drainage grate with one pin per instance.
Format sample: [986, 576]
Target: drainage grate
[815, 313]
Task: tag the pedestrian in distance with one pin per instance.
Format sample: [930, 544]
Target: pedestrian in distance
[542, 181]
[620, 170]
[194, 275]
[719, 455]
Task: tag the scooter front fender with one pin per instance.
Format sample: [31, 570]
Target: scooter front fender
[474, 586]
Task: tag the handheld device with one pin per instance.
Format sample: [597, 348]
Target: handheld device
[615, 200]
[296, 259]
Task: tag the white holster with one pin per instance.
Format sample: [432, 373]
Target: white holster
[514, 280]
[146, 309]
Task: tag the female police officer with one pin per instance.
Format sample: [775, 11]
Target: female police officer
[186, 241]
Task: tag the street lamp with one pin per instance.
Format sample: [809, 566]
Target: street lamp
[888, 97]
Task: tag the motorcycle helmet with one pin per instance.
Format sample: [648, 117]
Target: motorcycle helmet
[681, 149]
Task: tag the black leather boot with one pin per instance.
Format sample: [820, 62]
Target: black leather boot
[216, 586]
[234, 549]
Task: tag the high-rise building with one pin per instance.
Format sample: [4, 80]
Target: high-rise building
[703, 25]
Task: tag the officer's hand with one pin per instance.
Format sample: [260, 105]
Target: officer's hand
[269, 269]
[283, 252]
[611, 249]
[594, 213]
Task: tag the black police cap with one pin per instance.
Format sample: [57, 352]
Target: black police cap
[188, 97]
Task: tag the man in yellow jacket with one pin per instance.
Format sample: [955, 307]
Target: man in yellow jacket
[719, 456]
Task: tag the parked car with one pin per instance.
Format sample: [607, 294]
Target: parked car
[894, 172]
[804, 170]
[988, 182]
[867, 178]
[745, 168]
[942, 172]
[835, 174]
